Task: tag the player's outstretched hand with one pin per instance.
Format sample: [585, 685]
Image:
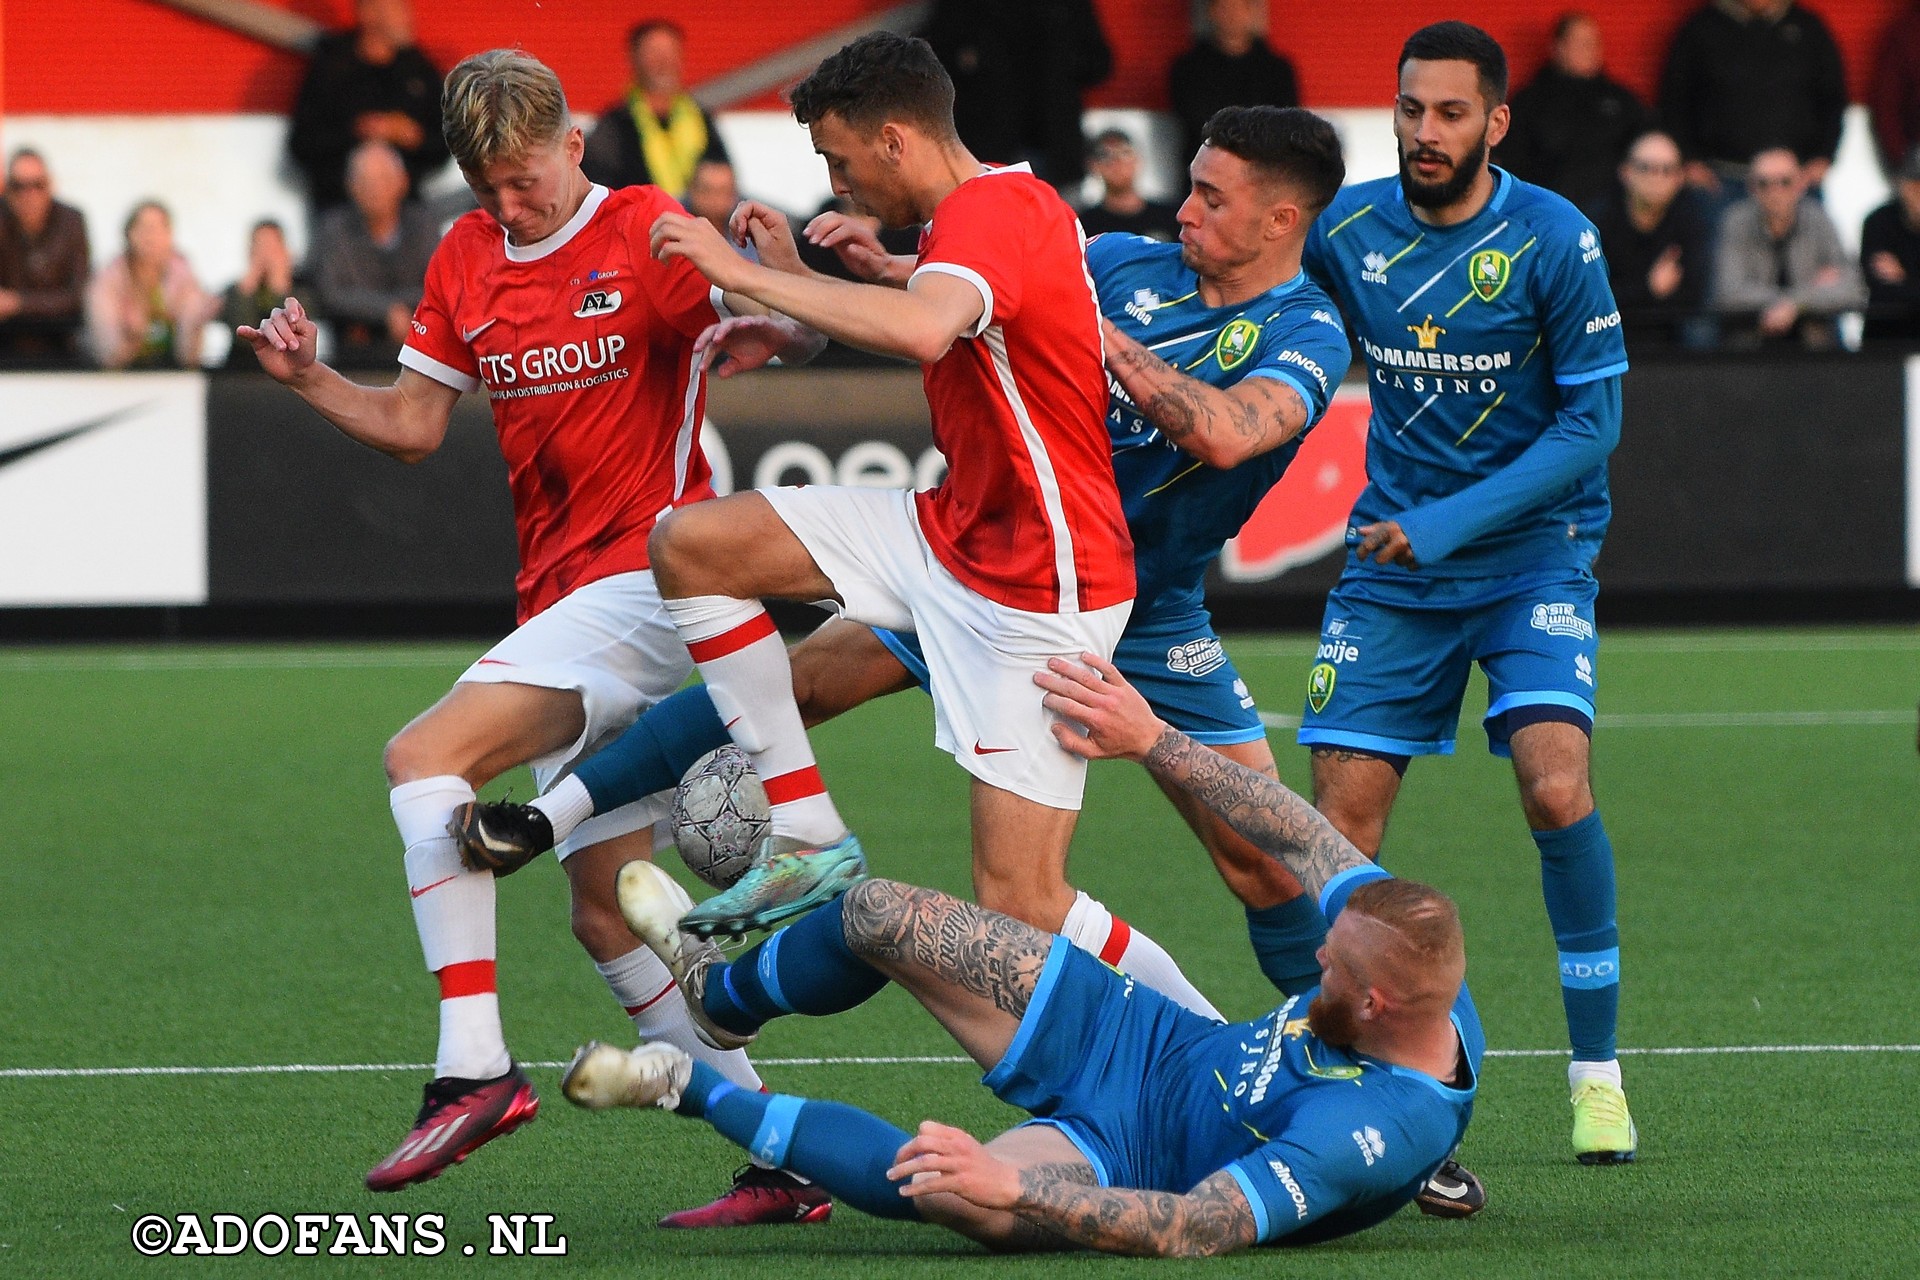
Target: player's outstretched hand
[286, 342]
[941, 1158]
[1387, 543]
[1104, 717]
[740, 343]
[855, 242]
[681, 235]
[771, 235]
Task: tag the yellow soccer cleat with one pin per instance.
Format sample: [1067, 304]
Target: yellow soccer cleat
[1603, 1131]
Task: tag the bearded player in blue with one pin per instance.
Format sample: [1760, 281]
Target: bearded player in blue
[1222, 354]
[1493, 356]
[1155, 1131]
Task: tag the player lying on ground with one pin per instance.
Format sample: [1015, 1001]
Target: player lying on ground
[596, 394]
[1155, 1131]
[1494, 357]
[1194, 453]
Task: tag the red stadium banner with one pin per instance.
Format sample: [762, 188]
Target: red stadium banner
[1305, 516]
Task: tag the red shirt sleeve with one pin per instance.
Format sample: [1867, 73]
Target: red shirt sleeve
[978, 234]
[435, 346]
[683, 297]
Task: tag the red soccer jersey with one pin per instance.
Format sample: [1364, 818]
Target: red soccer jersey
[1029, 515]
[585, 346]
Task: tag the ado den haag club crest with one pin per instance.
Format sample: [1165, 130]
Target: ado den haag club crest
[1488, 272]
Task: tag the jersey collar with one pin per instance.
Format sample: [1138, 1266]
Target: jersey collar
[1502, 188]
[596, 196]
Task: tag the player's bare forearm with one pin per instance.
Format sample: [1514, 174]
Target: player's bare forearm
[1221, 427]
[902, 926]
[1260, 808]
[914, 324]
[1211, 1219]
[407, 420]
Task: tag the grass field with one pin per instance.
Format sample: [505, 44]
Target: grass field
[203, 874]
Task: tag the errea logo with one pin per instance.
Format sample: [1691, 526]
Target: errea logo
[1145, 301]
[1589, 246]
[596, 302]
[1372, 1145]
[1375, 265]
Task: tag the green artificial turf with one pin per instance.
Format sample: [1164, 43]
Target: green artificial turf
[202, 872]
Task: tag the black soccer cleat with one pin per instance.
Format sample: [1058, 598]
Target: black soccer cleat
[1452, 1192]
[500, 836]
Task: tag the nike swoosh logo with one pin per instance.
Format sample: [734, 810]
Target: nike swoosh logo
[430, 888]
[1457, 1191]
[493, 662]
[21, 452]
[468, 335]
[728, 726]
[989, 751]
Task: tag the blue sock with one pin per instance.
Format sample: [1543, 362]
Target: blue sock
[1576, 877]
[805, 968]
[656, 750]
[844, 1149]
[1286, 942]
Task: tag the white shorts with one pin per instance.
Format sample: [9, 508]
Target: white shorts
[981, 656]
[612, 642]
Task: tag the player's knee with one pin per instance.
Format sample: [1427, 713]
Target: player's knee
[869, 912]
[666, 546]
[406, 758]
[597, 925]
[1556, 800]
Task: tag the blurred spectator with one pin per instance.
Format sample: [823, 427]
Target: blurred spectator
[712, 193]
[367, 85]
[269, 280]
[1656, 234]
[43, 267]
[1019, 68]
[659, 134]
[1573, 122]
[1121, 208]
[371, 258]
[1894, 95]
[145, 310]
[1746, 75]
[1890, 254]
[1229, 65]
[1780, 273]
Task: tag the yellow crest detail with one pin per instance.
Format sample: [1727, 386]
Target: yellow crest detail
[1428, 333]
[1236, 343]
[1488, 272]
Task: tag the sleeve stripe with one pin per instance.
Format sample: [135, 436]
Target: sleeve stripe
[972, 277]
[718, 297]
[1339, 884]
[420, 362]
[1580, 379]
[1307, 398]
[1255, 1201]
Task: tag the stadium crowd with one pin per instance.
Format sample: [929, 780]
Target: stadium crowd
[1708, 201]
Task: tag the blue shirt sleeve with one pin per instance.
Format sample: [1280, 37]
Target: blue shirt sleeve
[1108, 251]
[1582, 434]
[1310, 355]
[1335, 1154]
[1334, 894]
[1579, 319]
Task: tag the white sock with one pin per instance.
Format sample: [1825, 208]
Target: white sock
[453, 912]
[745, 665]
[1577, 1072]
[1091, 927]
[567, 805]
[647, 992]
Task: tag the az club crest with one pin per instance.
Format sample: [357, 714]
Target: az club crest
[1320, 686]
[1235, 343]
[1488, 272]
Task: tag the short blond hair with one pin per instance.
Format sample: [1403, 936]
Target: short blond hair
[499, 105]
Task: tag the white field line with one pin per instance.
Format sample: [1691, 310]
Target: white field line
[1706, 719]
[313, 1068]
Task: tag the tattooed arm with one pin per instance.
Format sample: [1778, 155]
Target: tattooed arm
[1060, 1203]
[1221, 427]
[1118, 723]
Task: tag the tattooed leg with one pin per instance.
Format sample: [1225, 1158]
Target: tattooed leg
[1356, 791]
[973, 969]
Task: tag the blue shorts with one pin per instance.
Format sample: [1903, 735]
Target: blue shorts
[1085, 1062]
[1177, 664]
[1393, 662]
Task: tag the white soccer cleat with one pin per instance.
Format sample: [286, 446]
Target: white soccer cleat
[602, 1076]
[652, 902]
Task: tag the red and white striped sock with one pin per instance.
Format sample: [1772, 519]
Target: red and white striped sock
[453, 912]
[745, 665]
[1091, 927]
[647, 992]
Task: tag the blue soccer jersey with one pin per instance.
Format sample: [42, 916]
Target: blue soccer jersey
[1179, 509]
[1322, 1141]
[1493, 352]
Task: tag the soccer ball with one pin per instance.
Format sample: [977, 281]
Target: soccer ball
[720, 816]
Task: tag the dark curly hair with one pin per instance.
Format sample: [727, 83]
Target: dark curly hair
[877, 78]
[1285, 143]
[1461, 42]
